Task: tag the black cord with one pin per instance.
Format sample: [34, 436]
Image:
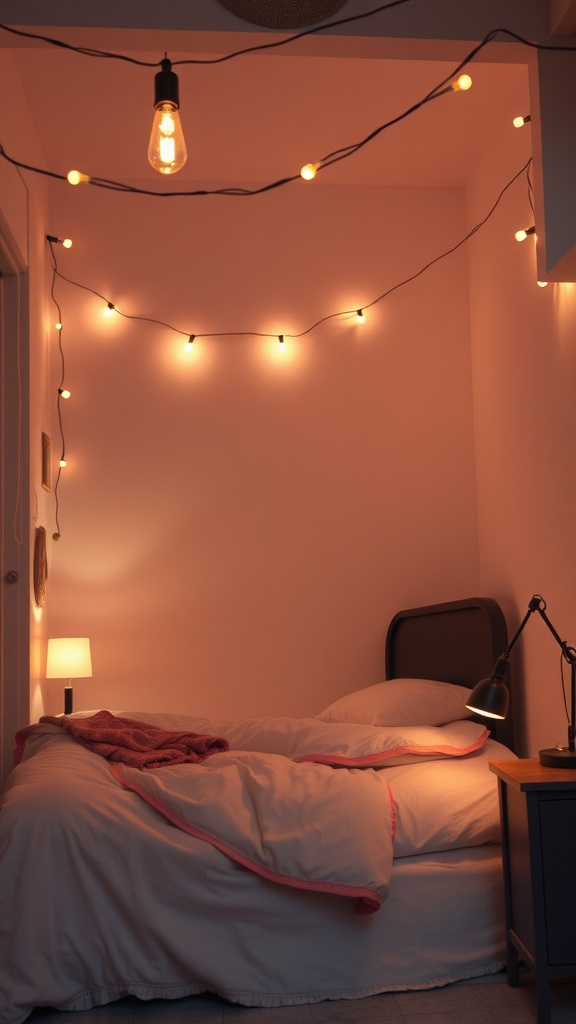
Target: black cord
[89, 52]
[56, 535]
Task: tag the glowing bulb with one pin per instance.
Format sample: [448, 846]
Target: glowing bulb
[360, 316]
[281, 343]
[309, 171]
[58, 326]
[63, 392]
[190, 341]
[110, 309]
[542, 284]
[77, 178]
[519, 122]
[62, 463]
[166, 149]
[462, 83]
[523, 233]
[66, 242]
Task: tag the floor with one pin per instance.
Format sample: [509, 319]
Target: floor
[481, 1001]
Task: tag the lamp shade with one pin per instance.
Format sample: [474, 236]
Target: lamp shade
[68, 658]
[490, 698]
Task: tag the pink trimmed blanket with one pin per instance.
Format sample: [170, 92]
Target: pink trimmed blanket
[138, 744]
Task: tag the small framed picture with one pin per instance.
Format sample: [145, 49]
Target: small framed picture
[46, 463]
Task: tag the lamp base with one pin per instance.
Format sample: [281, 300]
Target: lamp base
[558, 757]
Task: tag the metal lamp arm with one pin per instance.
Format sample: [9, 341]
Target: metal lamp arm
[501, 665]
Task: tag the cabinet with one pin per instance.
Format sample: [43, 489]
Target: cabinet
[538, 816]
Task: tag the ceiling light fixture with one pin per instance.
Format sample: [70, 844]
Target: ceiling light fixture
[166, 149]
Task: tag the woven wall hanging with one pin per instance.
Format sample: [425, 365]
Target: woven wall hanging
[40, 566]
[284, 13]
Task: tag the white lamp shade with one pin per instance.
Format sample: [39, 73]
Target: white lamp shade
[68, 658]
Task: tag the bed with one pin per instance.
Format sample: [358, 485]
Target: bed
[293, 861]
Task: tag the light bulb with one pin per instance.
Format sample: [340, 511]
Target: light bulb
[66, 242]
[109, 309]
[360, 316]
[77, 178]
[58, 326]
[523, 233]
[281, 342]
[309, 171]
[63, 392]
[462, 83]
[542, 284]
[520, 121]
[166, 149]
[62, 463]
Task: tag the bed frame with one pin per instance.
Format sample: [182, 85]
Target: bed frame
[457, 642]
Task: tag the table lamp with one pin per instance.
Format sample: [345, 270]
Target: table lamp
[490, 696]
[68, 658]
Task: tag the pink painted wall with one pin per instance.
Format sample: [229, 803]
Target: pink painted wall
[238, 527]
[524, 364]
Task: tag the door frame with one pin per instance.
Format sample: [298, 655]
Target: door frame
[14, 497]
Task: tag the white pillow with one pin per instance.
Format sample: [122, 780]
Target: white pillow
[401, 702]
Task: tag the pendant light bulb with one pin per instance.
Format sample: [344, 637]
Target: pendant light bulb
[166, 149]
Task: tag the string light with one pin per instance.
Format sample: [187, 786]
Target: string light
[168, 163]
[542, 284]
[360, 316]
[109, 310]
[357, 312]
[523, 233]
[58, 326]
[462, 84]
[66, 242]
[64, 393]
[308, 172]
[77, 178]
[520, 121]
[281, 342]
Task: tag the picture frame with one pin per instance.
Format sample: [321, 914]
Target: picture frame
[46, 462]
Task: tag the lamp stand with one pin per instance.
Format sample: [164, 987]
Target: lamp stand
[558, 757]
[68, 698]
[565, 757]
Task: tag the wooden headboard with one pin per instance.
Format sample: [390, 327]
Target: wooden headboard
[457, 642]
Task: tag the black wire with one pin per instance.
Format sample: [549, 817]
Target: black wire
[127, 316]
[443, 255]
[89, 52]
[60, 386]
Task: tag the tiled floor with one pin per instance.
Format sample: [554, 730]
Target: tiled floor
[482, 1001]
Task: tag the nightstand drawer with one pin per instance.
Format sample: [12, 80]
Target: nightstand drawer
[560, 899]
[558, 837]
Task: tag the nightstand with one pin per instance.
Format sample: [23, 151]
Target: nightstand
[538, 816]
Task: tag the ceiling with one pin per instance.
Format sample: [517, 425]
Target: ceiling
[257, 118]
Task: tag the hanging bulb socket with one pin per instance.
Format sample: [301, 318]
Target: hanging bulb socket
[166, 149]
[166, 87]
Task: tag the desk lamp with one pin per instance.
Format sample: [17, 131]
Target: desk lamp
[68, 658]
[490, 696]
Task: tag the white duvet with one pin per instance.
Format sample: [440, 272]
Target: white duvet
[87, 849]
